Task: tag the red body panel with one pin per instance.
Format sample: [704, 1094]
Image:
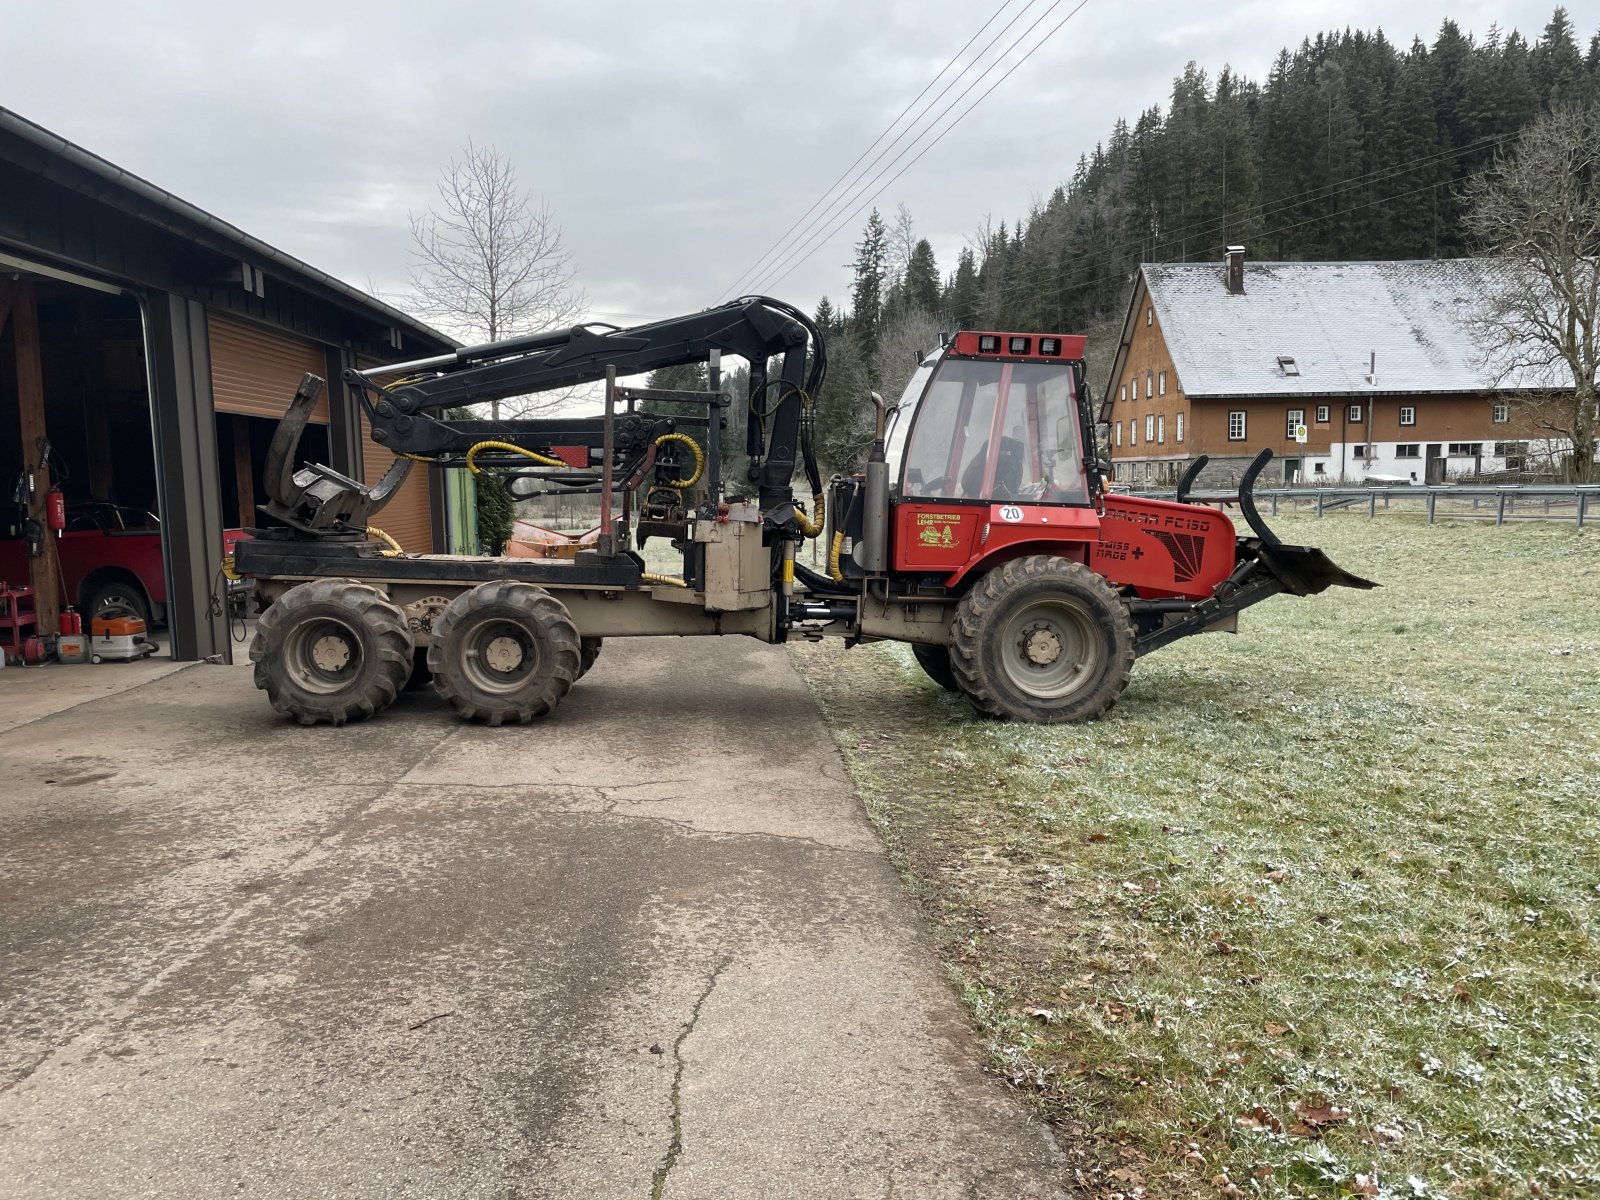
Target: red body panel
[981, 532]
[1162, 548]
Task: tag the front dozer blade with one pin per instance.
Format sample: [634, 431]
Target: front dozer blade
[1302, 570]
[318, 499]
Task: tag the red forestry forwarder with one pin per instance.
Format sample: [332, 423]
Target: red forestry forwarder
[980, 531]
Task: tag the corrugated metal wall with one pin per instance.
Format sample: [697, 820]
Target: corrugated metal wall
[255, 370]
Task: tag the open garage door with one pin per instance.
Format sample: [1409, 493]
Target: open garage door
[254, 373]
[408, 518]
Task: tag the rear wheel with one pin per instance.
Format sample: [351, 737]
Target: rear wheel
[331, 651]
[588, 651]
[118, 598]
[1042, 639]
[505, 651]
[935, 663]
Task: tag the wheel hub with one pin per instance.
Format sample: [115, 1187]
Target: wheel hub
[503, 654]
[1041, 645]
[330, 652]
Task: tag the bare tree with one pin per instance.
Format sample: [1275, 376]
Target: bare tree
[1537, 212]
[902, 244]
[899, 340]
[489, 260]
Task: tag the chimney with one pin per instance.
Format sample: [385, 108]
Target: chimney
[1372, 369]
[1234, 275]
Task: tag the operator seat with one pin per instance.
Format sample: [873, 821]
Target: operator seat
[1007, 473]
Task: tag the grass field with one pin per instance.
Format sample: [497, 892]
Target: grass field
[1314, 910]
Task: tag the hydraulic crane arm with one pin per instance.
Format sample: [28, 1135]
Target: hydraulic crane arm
[408, 418]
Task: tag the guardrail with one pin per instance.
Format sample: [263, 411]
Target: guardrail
[1516, 502]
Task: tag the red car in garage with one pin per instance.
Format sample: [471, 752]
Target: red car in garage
[110, 559]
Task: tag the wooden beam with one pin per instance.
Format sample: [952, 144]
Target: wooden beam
[44, 569]
[243, 474]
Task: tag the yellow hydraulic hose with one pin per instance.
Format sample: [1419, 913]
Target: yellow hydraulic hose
[543, 459]
[694, 448]
[813, 528]
[835, 572]
[669, 580]
[394, 549]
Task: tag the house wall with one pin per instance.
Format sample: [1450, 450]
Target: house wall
[1144, 364]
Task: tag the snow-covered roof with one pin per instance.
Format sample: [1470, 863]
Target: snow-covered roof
[1311, 328]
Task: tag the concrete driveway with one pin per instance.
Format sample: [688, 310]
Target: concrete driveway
[650, 946]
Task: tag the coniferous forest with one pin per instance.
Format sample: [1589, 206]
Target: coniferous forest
[1351, 148]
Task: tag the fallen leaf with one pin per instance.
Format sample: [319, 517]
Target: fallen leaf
[1220, 946]
[1259, 1119]
[1461, 994]
[1277, 876]
[1097, 837]
[1043, 1014]
[1318, 1112]
[1276, 1029]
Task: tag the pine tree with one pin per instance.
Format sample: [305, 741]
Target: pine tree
[961, 302]
[922, 278]
[866, 295]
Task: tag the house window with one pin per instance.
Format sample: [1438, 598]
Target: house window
[1355, 414]
[1408, 450]
[1161, 430]
[1502, 413]
[1149, 384]
[1236, 427]
[1287, 365]
[1359, 451]
[1133, 431]
[1134, 388]
[1293, 419]
[1150, 314]
[1515, 454]
[1119, 433]
[1318, 469]
[1465, 449]
[1149, 428]
[1322, 414]
[1408, 416]
[1163, 381]
[1124, 396]
[1147, 471]
[1177, 433]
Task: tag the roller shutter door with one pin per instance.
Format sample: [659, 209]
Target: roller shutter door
[255, 370]
[408, 518]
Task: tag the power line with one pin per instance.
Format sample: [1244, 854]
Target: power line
[817, 243]
[810, 244]
[783, 239]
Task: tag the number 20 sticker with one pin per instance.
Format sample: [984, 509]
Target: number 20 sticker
[1010, 512]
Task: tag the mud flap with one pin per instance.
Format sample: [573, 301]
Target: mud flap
[318, 499]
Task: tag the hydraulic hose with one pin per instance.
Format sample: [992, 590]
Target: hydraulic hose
[812, 526]
[394, 550]
[835, 572]
[694, 448]
[669, 580]
[542, 459]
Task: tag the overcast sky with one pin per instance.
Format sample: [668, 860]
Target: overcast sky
[675, 142]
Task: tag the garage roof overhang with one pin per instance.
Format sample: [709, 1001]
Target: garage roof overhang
[66, 165]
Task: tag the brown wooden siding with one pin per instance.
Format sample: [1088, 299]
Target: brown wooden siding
[255, 370]
[1146, 359]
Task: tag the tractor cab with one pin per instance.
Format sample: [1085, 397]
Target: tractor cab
[991, 432]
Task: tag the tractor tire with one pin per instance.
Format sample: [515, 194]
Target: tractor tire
[935, 664]
[331, 651]
[1042, 639]
[505, 651]
[588, 651]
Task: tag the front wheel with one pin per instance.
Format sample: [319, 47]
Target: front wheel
[935, 664]
[1042, 639]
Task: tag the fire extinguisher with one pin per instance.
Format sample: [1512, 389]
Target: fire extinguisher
[55, 509]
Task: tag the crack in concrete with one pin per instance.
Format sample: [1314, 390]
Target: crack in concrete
[690, 827]
[658, 1181]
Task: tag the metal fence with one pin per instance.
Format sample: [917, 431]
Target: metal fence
[1510, 502]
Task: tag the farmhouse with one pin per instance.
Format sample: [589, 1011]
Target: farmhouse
[1374, 359]
[147, 349]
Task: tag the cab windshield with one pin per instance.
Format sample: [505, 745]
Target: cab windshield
[998, 431]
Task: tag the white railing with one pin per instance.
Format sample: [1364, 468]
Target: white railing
[1507, 502]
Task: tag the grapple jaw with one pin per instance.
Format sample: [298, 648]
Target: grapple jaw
[317, 499]
[1302, 570]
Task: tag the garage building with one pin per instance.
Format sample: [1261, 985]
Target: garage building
[147, 349]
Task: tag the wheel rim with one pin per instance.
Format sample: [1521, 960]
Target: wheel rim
[499, 656]
[324, 656]
[1049, 648]
[118, 604]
